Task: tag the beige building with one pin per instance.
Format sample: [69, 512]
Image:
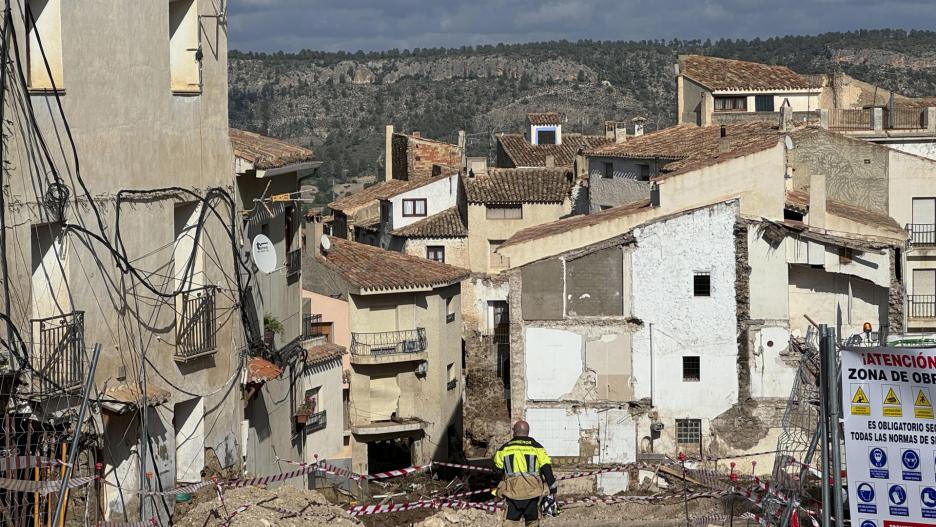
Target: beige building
[119, 234]
[544, 145]
[404, 319]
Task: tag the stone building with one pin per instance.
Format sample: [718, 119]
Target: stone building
[545, 146]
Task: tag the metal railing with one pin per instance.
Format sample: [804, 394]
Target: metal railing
[388, 342]
[905, 118]
[316, 421]
[451, 384]
[293, 262]
[196, 326]
[922, 306]
[311, 326]
[59, 354]
[922, 233]
[846, 119]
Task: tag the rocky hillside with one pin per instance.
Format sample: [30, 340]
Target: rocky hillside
[337, 103]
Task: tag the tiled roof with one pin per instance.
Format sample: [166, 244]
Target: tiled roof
[382, 190]
[372, 268]
[543, 118]
[129, 393]
[799, 200]
[324, 352]
[915, 102]
[688, 147]
[261, 370]
[524, 154]
[446, 224]
[520, 185]
[576, 222]
[265, 152]
[727, 74]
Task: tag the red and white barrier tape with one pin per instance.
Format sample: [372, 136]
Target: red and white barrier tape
[264, 480]
[25, 462]
[465, 467]
[188, 489]
[42, 487]
[146, 523]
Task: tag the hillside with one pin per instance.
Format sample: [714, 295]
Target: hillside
[338, 103]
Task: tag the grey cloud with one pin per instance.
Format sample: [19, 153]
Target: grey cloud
[290, 25]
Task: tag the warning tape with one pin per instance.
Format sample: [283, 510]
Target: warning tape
[188, 489]
[465, 467]
[24, 462]
[42, 487]
[144, 523]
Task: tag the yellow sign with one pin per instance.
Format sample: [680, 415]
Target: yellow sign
[860, 397]
[921, 399]
[860, 409]
[280, 197]
[922, 408]
[891, 397]
[893, 411]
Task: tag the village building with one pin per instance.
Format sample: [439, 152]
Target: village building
[544, 146]
[622, 322]
[401, 318]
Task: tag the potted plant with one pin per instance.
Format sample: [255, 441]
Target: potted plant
[271, 326]
[306, 409]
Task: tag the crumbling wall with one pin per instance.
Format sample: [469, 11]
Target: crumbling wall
[895, 296]
[742, 307]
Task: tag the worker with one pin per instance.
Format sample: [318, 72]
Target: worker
[526, 467]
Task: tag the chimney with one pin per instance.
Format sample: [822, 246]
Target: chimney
[388, 154]
[462, 142]
[723, 145]
[318, 229]
[786, 116]
[550, 161]
[417, 134]
[580, 167]
[817, 201]
[638, 126]
[706, 109]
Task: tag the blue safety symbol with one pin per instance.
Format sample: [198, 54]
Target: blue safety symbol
[878, 457]
[897, 494]
[865, 492]
[868, 523]
[928, 497]
[910, 459]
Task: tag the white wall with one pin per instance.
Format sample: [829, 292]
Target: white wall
[667, 255]
[554, 362]
[923, 149]
[440, 195]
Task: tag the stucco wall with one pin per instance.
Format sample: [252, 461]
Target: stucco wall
[841, 301]
[439, 195]
[624, 187]
[925, 149]
[481, 229]
[691, 100]
[456, 249]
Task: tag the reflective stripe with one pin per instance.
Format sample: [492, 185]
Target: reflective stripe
[508, 464]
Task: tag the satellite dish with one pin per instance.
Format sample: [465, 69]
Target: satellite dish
[326, 243]
[263, 254]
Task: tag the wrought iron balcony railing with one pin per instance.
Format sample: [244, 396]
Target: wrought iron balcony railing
[388, 342]
[922, 233]
[312, 326]
[922, 306]
[59, 353]
[293, 262]
[196, 324]
[316, 421]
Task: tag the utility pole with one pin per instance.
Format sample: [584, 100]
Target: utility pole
[828, 349]
[822, 381]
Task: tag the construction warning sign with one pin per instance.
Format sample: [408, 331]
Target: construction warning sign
[890, 435]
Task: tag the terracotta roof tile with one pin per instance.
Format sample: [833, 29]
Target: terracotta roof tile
[261, 370]
[520, 185]
[543, 118]
[265, 152]
[324, 352]
[372, 268]
[687, 147]
[799, 200]
[524, 154]
[727, 74]
[576, 222]
[382, 190]
[446, 224]
[129, 393]
[915, 102]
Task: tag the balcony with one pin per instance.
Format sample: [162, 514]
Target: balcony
[293, 263]
[312, 327]
[846, 119]
[393, 426]
[921, 306]
[59, 353]
[388, 346]
[196, 324]
[315, 422]
[905, 118]
[922, 234]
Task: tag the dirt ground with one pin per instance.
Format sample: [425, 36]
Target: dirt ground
[313, 508]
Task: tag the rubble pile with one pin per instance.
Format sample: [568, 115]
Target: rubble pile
[267, 508]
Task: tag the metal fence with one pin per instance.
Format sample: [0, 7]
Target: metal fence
[922, 306]
[389, 342]
[196, 327]
[293, 262]
[59, 352]
[844, 119]
[316, 421]
[905, 118]
[312, 326]
[922, 233]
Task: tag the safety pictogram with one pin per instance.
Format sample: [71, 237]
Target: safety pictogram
[922, 407]
[861, 405]
[891, 402]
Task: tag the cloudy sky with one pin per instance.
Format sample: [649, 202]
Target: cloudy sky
[290, 25]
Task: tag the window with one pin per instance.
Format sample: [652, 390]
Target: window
[691, 369]
[436, 253]
[449, 310]
[414, 207]
[184, 53]
[923, 228]
[702, 284]
[689, 436]
[608, 171]
[386, 214]
[450, 376]
[644, 172]
[763, 103]
[497, 261]
[546, 137]
[44, 30]
[730, 104]
[504, 212]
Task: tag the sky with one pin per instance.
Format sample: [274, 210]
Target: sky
[351, 25]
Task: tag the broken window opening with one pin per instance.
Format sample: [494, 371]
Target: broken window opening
[702, 284]
[691, 369]
[689, 437]
[392, 454]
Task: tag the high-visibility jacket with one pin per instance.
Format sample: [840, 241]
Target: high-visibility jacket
[526, 465]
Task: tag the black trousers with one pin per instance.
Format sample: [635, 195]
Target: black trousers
[528, 510]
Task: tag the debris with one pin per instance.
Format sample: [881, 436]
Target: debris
[268, 507]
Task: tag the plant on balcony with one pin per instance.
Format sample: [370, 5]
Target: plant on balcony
[271, 327]
[304, 411]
